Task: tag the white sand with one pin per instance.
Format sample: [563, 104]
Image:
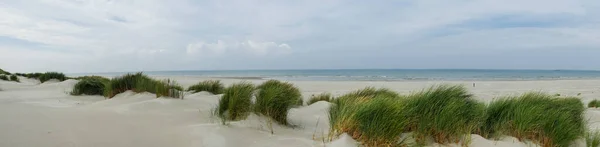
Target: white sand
[44, 115]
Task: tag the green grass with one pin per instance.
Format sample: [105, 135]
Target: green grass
[4, 72]
[275, 98]
[103, 79]
[594, 104]
[592, 139]
[376, 117]
[381, 121]
[372, 116]
[21, 74]
[90, 86]
[236, 102]
[446, 113]
[34, 75]
[141, 83]
[542, 118]
[166, 88]
[212, 86]
[52, 75]
[14, 78]
[4, 77]
[320, 97]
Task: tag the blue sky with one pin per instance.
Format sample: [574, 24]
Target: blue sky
[144, 35]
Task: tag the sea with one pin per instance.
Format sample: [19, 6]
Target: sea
[382, 74]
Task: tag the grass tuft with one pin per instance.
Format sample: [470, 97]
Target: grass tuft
[446, 113]
[90, 86]
[381, 121]
[34, 75]
[141, 83]
[4, 72]
[321, 97]
[4, 77]
[21, 74]
[377, 117]
[592, 139]
[275, 98]
[212, 86]
[594, 104]
[14, 78]
[236, 102]
[92, 77]
[543, 118]
[52, 75]
[372, 116]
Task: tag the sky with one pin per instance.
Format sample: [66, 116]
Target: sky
[83, 36]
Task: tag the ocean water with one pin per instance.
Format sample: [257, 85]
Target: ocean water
[386, 74]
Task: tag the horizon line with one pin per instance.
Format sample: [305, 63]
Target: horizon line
[480, 69]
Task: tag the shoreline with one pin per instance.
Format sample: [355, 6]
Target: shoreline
[346, 80]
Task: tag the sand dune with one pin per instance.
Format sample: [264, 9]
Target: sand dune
[44, 115]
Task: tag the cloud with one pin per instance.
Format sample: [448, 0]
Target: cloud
[253, 47]
[126, 35]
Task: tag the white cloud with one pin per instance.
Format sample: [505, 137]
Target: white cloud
[254, 47]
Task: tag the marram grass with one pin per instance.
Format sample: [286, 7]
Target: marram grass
[236, 102]
[592, 139]
[4, 77]
[448, 114]
[4, 72]
[14, 78]
[90, 86]
[141, 83]
[372, 116]
[212, 86]
[93, 77]
[445, 113]
[21, 74]
[594, 104]
[52, 75]
[275, 98]
[381, 121]
[34, 75]
[320, 97]
[542, 118]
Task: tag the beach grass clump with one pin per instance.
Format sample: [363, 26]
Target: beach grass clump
[52, 75]
[320, 97]
[274, 99]
[4, 72]
[4, 77]
[212, 86]
[381, 121]
[36, 75]
[539, 117]
[166, 88]
[21, 74]
[90, 86]
[123, 83]
[14, 78]
[101, 78]
[372, 116]
[236, 102]
[594, 104]
[445, 113]
[141, 83]
[592, 139]
[377, 117]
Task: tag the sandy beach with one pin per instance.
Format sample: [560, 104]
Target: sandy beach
[45, 115]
